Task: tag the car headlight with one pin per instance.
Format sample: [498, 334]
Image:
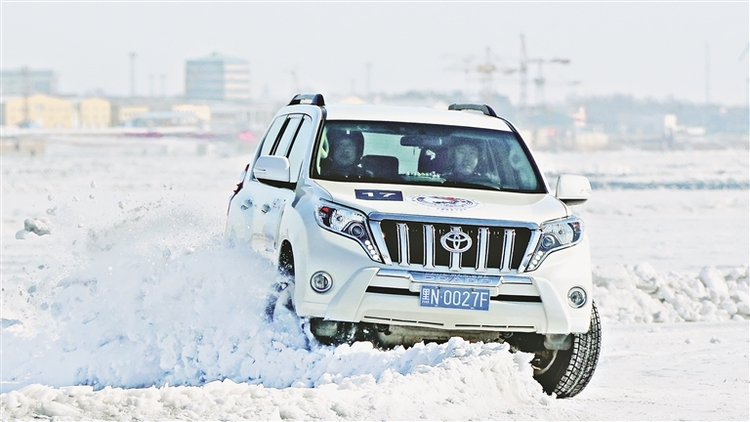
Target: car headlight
[556, 235]
[348, 223]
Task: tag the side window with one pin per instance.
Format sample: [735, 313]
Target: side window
[299, 147]
[288, 136]
[272, 135]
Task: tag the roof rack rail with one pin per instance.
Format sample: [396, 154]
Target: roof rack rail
[314, 99]
[487, 110]
[484, 108]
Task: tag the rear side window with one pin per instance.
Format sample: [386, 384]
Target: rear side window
[299, 147]
[272, 135]
[290, 130]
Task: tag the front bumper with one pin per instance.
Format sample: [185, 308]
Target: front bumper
[364, 291]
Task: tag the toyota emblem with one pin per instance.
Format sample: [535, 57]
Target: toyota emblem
[456, 241]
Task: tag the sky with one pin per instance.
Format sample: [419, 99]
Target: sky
[690, 51]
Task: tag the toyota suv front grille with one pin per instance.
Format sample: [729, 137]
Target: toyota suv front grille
[455, 246]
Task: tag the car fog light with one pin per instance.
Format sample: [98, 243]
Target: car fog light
[321, 282]
[576, 297]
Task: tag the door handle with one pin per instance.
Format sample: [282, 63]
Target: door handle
[247, 203]
[265, 208]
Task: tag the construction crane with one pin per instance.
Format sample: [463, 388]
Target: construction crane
[487, 69]
[539, 81]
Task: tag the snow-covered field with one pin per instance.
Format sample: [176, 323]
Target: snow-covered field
[131, 306]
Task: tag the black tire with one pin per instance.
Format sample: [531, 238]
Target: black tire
[280, 311]
[280, 299]
[566, 372]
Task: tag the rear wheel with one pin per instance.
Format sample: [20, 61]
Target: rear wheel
[567, 372]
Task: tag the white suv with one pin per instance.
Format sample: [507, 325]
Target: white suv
[398, 225]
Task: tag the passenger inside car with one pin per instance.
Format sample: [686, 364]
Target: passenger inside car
[344, 154]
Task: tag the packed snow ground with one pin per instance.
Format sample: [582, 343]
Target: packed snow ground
[121, 300]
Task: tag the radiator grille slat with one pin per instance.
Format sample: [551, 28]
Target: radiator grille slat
[509, 239]
[482, 249]
[429, 246]
[403, 244]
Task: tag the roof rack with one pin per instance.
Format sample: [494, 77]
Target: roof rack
[484, 108]
[314, 99]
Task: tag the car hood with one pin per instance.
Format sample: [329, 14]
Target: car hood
[438, 201]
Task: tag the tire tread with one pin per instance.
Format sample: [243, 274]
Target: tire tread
[583, 361]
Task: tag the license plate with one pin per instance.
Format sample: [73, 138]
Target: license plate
[455, 297]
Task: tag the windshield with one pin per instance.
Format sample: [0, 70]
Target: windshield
[424, 154]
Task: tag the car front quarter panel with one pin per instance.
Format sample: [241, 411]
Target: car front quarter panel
[561, 271]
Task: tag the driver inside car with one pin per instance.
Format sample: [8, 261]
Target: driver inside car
[465, 165]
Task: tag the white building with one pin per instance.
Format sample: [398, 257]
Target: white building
[217, 77]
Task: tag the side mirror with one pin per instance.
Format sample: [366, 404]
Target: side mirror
[573, 190]
[272, 167]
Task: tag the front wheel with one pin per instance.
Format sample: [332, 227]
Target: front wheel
[567, 372]
[280, 300]
[280, 312]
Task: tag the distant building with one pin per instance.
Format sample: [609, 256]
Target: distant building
[94, 112]
[217, 77]
[38, 110]
[123, 114]
[200, 111]
[165, 119]
[27, 81]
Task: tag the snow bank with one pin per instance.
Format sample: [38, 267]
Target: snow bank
[420, 388]
[627, 294]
